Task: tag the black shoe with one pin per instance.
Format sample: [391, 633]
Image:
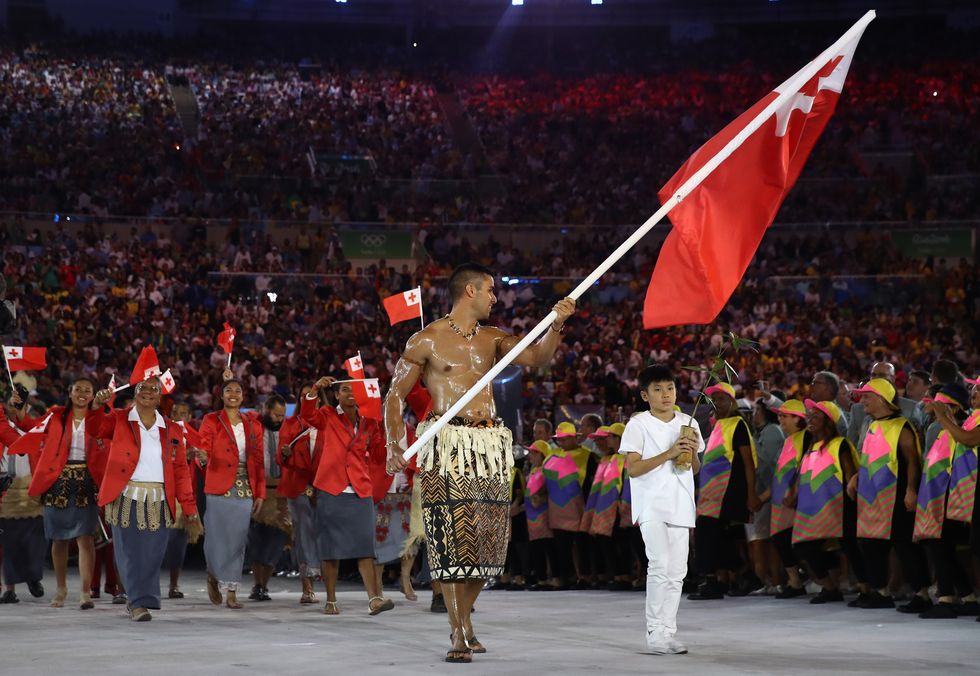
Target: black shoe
[968, 609]
[915, 606]
[862, 598]
[264, 594]
[875, 601]
[540, 587]
[708, 591]
[513, 586]
[9, 597]
[36, 589]
[789, 592]
[940, 611]
[438, 604]
[827, 596]
[256, 594]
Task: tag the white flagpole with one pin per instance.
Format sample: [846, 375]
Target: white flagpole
[421, 312]
[13, 388]
[788, 89]
[120, 389]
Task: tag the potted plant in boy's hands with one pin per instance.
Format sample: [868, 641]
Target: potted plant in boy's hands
[719, 371]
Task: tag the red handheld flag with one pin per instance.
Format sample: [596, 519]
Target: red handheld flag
[25, 358]
[226, 339]
[367, 394]
[402, 307]
[354, 366]
[30, 443]
[167, 382]
[147, 366]
[718, 226]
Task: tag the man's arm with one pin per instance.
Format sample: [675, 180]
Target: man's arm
[542, 352]
[908, 446]
[407, 372]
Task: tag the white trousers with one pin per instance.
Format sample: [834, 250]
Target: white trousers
[666, 548]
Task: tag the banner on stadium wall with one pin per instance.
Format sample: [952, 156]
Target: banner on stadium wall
[386, 244]
[937, 242]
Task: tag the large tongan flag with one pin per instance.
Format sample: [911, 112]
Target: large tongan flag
[367, 394]
[718, 226]
[402, 307]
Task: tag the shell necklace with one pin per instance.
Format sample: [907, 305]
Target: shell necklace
[466, 336]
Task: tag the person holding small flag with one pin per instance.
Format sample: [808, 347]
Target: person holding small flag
[70, 460]
[347, 443]
[146, 475]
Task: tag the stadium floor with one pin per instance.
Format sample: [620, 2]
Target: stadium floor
[526, 633]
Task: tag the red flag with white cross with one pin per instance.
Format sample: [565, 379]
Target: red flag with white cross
[167, 382]
[367, 394]
[402, 307]
[354, 366]
[147, 366]
[25, 358]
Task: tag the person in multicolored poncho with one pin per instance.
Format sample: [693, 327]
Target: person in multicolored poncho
[783, 492]
[947, 498]
[886, 488]
[825, 517]
[602, 507]
[540, 536]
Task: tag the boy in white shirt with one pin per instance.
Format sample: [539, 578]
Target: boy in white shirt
[662, 487]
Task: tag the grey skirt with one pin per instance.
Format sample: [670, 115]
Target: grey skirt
[225, 536]
[70, 507]
[345, 526]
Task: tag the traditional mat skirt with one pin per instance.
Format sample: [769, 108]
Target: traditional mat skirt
[269, 532]
[465, 496]
[141, 523]
[392, 526]
[304, 534]
[70, 507]
[226, 523]
[345, 526]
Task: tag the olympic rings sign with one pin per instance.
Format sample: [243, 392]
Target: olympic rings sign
[373, 240]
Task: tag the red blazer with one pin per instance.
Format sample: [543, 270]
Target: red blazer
[8, 435]
[53, 455]
[381, 480]
[297, 467]
[341, 456]
[218, 441]
[124, 453]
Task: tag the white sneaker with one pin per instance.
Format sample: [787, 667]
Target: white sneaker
[675, 647]
[658, 648]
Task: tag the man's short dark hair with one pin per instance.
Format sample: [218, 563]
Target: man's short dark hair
[274, 400]
[467, 273]
[655, 373]
[924, 376]
[946, 372]
[593, 418]
[546, 423]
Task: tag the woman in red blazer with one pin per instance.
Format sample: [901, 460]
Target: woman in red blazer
[69, 466]
[234, 486]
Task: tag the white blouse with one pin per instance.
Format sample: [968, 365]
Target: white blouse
[239, 431]
[76, 452]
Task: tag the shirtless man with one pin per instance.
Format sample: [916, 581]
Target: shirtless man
[465, 470]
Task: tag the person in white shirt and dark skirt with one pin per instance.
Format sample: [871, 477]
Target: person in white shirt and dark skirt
[661, 447]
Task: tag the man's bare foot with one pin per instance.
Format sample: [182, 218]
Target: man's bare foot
[214, 593]
[474, 643]
[232, 600]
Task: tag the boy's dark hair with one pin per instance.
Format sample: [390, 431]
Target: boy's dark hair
[655, 373]
[467, 273]
[946, 372]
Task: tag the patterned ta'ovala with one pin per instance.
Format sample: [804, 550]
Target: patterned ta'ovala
[948, 485]
[564, 473]
[716, 467]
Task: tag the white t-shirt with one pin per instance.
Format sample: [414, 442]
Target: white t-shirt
[665, 494]
[149, 467]
[77, 451]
